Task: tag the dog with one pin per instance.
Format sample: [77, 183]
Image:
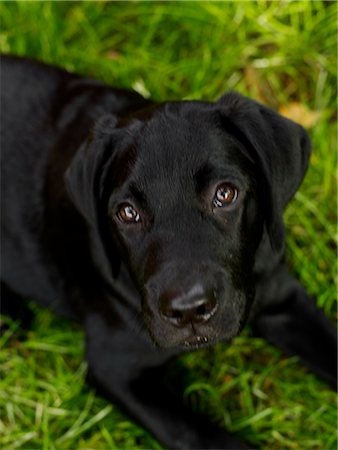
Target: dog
[157, 226]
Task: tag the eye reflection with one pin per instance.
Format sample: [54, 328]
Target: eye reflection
[225, 195]
[128, 214]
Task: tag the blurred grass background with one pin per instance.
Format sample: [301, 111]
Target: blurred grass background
[282, 53]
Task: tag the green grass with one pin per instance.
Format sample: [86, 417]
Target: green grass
[281, 53]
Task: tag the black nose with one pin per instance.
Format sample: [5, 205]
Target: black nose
[193, 307]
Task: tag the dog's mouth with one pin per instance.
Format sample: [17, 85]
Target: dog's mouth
[191, 339]
[192, 336]
[196, 342]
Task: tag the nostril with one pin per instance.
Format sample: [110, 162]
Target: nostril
[206, 310]
[201, 310]
[168, 310]
[174, 316]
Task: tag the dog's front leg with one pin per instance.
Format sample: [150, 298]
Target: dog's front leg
[288, 318]
[129, 370]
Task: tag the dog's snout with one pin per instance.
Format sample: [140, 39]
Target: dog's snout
[194, 306]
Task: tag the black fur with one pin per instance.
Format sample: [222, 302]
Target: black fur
[190, 272]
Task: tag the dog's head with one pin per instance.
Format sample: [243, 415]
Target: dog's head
[182, 194]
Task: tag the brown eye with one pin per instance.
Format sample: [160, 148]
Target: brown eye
[225, 195]
[128, 214]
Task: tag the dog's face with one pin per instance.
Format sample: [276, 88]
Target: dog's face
[181, 196]
[186, 214]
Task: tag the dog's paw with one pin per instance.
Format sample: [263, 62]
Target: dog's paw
[210, 437]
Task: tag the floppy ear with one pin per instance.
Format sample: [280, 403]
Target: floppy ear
[83, 181]
[280, 149]
[82, 178]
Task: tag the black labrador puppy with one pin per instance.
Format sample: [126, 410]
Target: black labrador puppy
[158, 226]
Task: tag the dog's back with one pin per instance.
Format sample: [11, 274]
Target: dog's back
[46, 113]
[26, 140]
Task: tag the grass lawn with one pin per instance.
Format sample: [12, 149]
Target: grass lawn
[281, 53]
